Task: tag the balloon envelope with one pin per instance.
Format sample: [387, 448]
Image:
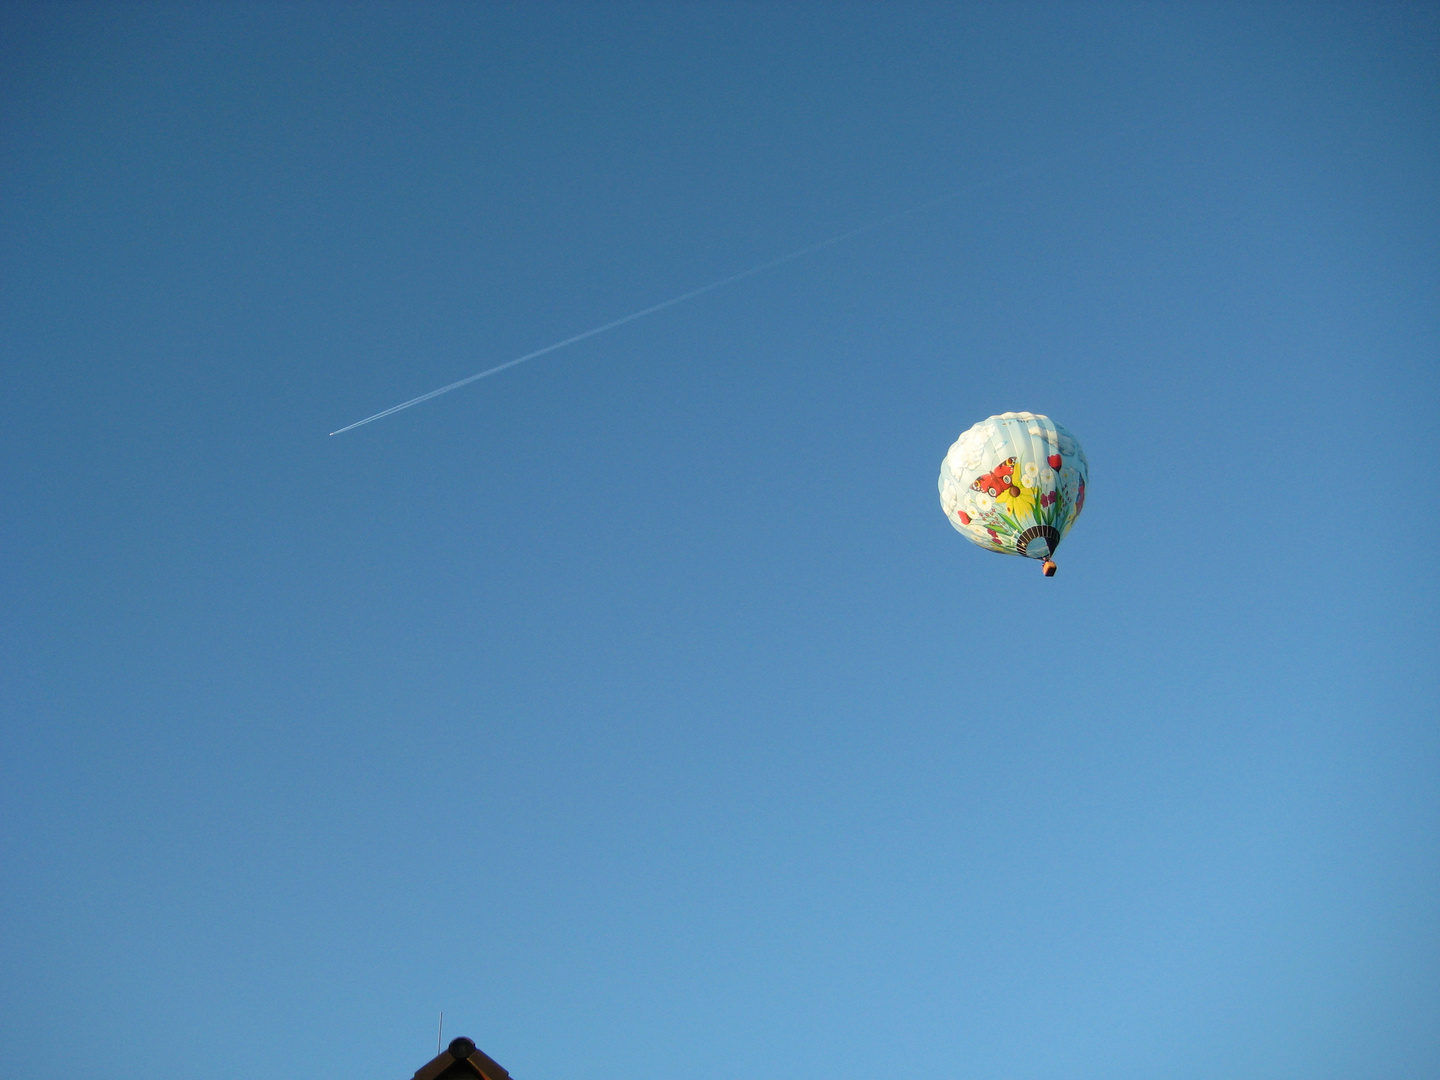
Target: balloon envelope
[1014, 483]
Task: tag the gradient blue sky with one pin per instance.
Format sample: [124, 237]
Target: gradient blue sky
[638, 707]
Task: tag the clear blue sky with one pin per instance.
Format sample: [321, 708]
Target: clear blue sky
[638, 707]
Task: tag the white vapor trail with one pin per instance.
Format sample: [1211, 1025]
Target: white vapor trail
[751, 272]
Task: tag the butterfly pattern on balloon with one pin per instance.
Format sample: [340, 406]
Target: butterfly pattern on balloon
[999, 479]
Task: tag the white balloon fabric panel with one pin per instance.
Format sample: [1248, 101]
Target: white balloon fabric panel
[1014, 483]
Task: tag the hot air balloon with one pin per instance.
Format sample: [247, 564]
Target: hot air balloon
[1015, 483]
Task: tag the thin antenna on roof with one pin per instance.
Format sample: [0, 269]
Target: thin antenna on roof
[440, 1035]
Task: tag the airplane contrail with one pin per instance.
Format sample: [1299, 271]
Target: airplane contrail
[759, 268]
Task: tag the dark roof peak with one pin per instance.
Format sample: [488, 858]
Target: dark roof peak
[462, 1061]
